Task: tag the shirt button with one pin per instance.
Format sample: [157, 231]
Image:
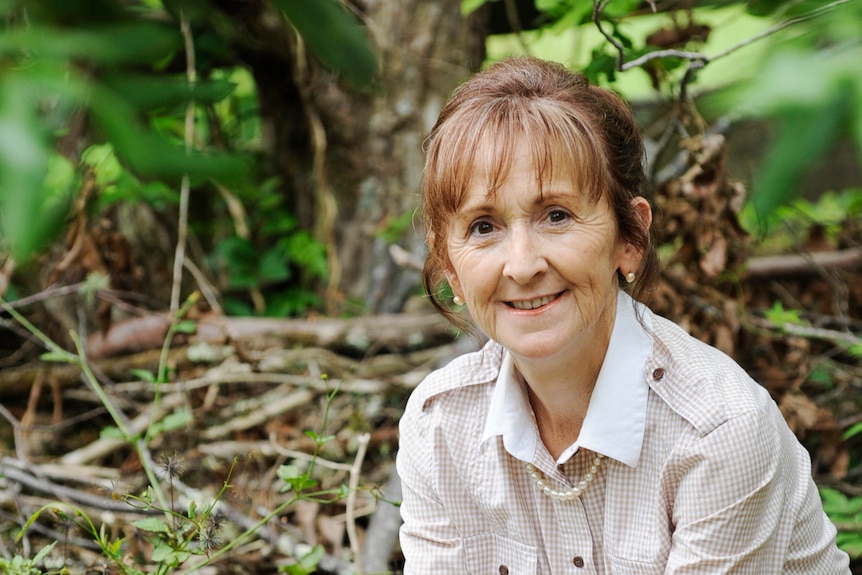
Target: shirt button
[578, 561]
[504, 570]
[658, 374]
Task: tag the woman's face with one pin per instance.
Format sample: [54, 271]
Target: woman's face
[537, 269]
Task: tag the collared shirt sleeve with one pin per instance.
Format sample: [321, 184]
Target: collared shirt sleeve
[745, 504]
[428, 536]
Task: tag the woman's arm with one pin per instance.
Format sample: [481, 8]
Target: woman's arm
[745, 503]
[429, 540]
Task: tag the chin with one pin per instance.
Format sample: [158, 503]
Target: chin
[533, 349]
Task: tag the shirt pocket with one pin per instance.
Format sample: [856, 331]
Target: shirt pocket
[492, 554]
[620, 566]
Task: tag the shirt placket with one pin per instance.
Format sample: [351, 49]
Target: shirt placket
[567, 534]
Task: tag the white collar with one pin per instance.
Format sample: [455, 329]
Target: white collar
[616, 417]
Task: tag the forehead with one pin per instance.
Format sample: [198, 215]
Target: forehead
[538, 164]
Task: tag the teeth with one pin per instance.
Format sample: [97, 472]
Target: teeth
[533, 303]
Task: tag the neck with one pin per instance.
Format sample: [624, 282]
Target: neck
[560, 389]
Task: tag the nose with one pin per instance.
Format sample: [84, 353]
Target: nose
[525, 259]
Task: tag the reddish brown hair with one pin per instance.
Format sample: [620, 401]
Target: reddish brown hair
[586, 131]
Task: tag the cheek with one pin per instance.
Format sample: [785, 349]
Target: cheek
[471, 272]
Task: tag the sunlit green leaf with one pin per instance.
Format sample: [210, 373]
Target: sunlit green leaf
[853, 431]
[143, 375]
[56, 356]
[780, 316]
[111, 432]
[470, 6]
[187, 326]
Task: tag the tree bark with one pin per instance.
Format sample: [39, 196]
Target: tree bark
[351, 160]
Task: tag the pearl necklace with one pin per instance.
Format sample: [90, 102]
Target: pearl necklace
[568, 494]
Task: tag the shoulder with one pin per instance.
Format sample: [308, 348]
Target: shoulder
[467, 373]
[701, 383]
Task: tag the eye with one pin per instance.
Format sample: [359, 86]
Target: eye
[481, 227]
[557, 215]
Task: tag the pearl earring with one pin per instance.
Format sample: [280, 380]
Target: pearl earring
[457, 300]
[630, 277]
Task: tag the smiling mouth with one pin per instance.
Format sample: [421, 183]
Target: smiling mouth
[533, 303]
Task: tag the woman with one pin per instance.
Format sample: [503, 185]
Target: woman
[588, 435]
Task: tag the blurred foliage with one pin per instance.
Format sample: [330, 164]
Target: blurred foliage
[111, 74]
[846, 512]
[809, 86]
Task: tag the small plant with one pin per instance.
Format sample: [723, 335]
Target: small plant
[189, 537]
[19, 565]
[182, 538]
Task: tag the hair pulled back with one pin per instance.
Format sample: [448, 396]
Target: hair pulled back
[570, 127]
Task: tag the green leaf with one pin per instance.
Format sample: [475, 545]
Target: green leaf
[152, 525]
[186, 326]
[151, 154]
[294, 479]
[176, 420]
[470, 6]
[307, 564]
[780, 316]
[31, 209]
[150, 91]
[853, 431]
[43, 553]
[137, 42]
[111, 432]
[58, 357]
[318, 439]
[272, 266]
[143, 374]
[334, 36]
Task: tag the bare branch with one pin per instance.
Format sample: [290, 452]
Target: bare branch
[781, 25]
[697, 57]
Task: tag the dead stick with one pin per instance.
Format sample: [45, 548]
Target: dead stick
[350, 511]
[803, 264]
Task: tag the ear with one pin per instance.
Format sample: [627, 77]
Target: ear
[454, 283]
[632, 255]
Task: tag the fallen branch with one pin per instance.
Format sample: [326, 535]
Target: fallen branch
[259, 411]
[803, 264]
[23, 473]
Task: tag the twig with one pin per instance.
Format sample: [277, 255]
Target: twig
[206, 287]
[795, 265]
[350, 511]
[21, 472]
[781, 25]
[842, 338]
[363, 386]
[622, 65]
[274, 447]
[182, 230]
[50, 292]
[268, 407]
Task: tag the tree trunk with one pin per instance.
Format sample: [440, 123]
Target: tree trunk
[351, 160]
